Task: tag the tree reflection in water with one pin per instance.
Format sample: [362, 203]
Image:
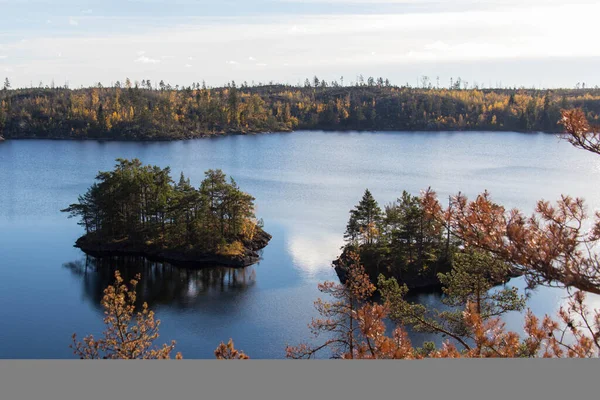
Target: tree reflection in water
[161, 283]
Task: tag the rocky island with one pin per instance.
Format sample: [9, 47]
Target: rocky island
[404, 242]
[139, 210]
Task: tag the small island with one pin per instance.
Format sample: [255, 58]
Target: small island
[139, 210]
[403, 242]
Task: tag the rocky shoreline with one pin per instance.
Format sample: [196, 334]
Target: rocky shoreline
[186, 136]
[416, 284]
[185, 257]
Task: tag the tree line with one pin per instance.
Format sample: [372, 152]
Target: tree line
[141, 204]
[141, 111]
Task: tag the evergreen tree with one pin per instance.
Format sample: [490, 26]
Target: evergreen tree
[364, 220]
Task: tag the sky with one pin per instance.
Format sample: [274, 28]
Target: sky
[489, 43]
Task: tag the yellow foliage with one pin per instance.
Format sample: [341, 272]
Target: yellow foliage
[129, 334]
[248, 229]
[231, 249]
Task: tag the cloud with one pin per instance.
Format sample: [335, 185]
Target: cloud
[296, 29]
[261, 64]
[146, 60]
[73, 21]
[2, 57]
[190, 58]
[48, 21]
[188, 65]
[88, 11]
[302, 45]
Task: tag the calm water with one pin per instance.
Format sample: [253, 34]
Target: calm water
[304, 183]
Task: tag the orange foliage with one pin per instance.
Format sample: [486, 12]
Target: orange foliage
[128, 335]
[228, 352]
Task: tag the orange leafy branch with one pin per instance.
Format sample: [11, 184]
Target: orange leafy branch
[129, 334]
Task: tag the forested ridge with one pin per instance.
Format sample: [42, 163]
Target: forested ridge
[144, 111]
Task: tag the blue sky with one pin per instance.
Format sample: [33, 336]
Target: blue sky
[510, 43]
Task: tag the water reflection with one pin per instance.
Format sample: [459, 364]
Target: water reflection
[313, 251]
[162, 284]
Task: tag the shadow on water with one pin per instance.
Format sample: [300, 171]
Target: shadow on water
[162, 284]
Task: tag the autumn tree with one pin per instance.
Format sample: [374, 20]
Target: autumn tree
[229, 352]
[555, 246]
[129, 334]
[339, 317]
[360, 331]
[469, 284]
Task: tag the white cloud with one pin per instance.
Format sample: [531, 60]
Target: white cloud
[73, 21]
[88, 11]
[188, 65]
[48, 21]
[261, 64]
[2, 57]
[146, 60]
[307, 45]
[190, 58]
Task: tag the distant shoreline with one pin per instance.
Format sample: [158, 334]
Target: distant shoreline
[143, 113]
[218, 135]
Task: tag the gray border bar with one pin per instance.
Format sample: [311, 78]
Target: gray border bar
[298, 379]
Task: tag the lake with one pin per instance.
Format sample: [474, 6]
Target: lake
[304, 184]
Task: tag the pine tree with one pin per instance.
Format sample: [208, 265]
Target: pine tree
[364, 220]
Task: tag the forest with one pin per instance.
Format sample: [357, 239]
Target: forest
[149, 111]
[139, 208]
